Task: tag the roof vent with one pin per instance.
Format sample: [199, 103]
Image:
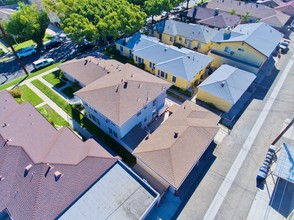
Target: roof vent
[50, 167]
[116, 88]
[2, 178]
[86, 61]
[223, 84]
[165, 49]
[125, 85]
[5, 125]
[176, 134]
[139, 85]
[57, 175]
[138, 99]
[121, 80]
[148, 99]
[216, 11]
[27, 170]
[132, 75]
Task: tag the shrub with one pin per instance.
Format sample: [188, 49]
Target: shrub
[1, 52]
[16, 93]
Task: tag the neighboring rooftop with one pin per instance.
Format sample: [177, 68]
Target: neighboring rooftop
[118, 195]
[89, 69]
[138, 41]
[123, 92]
[212, 17]
[260, 36]
[286, 7]
[190, 31]
[177, 145]
[228, 83]
[257, 11]
[5, 14]
[43, 170]
[183, 63]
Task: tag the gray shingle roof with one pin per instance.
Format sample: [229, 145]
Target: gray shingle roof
[196, 32]
[228, 83]
[138, 41]
[260, 36]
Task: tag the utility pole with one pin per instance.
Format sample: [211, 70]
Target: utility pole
[15, 54]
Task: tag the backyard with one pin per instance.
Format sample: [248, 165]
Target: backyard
[52, 116]
[53, 79]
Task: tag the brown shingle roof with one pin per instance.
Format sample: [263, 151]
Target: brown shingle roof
[89, 69]
[27, 138]
[122, 93]
[256, 11]
[222, 20]
[163, 153]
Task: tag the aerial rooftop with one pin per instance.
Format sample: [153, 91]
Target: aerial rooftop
[177, 145]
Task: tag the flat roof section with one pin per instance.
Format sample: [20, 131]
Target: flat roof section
[117, 195]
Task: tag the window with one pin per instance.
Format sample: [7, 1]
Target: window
[151, 65]
[131, 54]
[158, 72]
[199, 46]
[107, 120]
[228, 49]
[121, 49]
[139, 113]
[110, 130]
[145, 119]
[240, 49]
[180, 38]
[114, 134]
[186, 41]
[165, 75]
[162, 74]
[171, 39]
[174, 79]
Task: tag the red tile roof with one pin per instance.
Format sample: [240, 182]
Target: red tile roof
[27, 138]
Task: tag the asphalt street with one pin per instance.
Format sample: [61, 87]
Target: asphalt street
[11, 69]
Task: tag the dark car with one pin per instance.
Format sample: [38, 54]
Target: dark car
[52, 44]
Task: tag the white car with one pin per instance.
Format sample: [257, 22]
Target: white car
[26, 52]
[42, 63]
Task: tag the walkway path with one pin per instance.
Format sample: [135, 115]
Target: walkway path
[230, 177]
[48, 101]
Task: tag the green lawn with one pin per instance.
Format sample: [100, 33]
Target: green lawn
[70, 90]
[52, 116]
[27, 95]
[29, 42]
[53, 79]
[86, 123]
[16, 81]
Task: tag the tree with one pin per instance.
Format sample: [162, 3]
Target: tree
[96, 19]
[155, 7]
[29, 23]
[245, 18]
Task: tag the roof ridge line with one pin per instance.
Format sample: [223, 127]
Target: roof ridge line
[37, 193]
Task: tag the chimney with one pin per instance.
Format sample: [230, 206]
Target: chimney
[48, 169]
[176, 134]
[57, 175]
[227, 33]
[216, 11]
[5, 125]
[222, 84]
[27, 170]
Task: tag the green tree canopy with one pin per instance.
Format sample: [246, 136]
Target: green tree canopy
[95, 19]
[28, 22]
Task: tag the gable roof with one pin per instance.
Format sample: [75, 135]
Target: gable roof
[138, 41]
[286, 7]
[222, 20]
[86, 71]
[164, 154]
[256, 10]
[260, 36]
[122, 93]
[190, 31]
[228, 83]
[34, 195]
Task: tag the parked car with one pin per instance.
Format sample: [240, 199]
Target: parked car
[52, 44]
[163, 14]
[25, 52]
[42, 63]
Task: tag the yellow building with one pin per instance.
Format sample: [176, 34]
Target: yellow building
[193, 36]
[225, 87]
[247, 46]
